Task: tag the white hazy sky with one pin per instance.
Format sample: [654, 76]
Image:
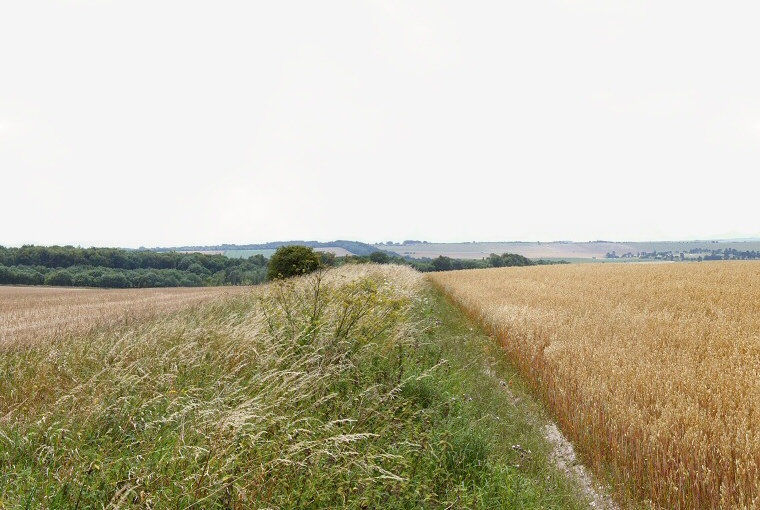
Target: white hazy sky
[166, 123]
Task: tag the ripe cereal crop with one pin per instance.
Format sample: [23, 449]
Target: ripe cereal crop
[652, 369]
[31, 314]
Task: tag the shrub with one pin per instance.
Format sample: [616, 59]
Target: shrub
[292, 260]
[59, 277]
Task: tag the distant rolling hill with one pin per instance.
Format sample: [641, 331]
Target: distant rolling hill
[567, 250]
[557, 250]
[340, 248]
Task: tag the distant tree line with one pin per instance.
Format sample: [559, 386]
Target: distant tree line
[442, 263]
[405, 243]
[701, 254]
[732, 254]
[119, 268]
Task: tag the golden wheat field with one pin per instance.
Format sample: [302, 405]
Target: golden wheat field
[652, 369]
[29, 314]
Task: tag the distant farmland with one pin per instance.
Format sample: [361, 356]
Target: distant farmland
[559, 250]
[652, 369]
[244, 254]
[339, 252]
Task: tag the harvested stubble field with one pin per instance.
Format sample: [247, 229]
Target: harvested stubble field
[31, 314]
[652, 370]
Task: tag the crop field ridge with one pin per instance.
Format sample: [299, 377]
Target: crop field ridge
[358, 387]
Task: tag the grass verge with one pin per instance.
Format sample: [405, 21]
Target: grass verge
[356, 388]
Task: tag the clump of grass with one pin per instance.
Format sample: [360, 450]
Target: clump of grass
[337, 389]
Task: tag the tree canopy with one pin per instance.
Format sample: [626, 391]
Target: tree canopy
[115, 267]
[294, 260]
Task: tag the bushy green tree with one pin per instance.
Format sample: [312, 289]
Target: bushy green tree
[114, 280]
[327, 258]
[292, 260]
[508, 260]
[379, 257]
[60, 277]
[442, 263]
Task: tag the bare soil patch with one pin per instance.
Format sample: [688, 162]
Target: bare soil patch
[563, 456]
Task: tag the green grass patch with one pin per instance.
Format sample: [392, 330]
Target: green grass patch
[358, 388]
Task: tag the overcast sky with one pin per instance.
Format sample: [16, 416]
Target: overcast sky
[168, 123]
